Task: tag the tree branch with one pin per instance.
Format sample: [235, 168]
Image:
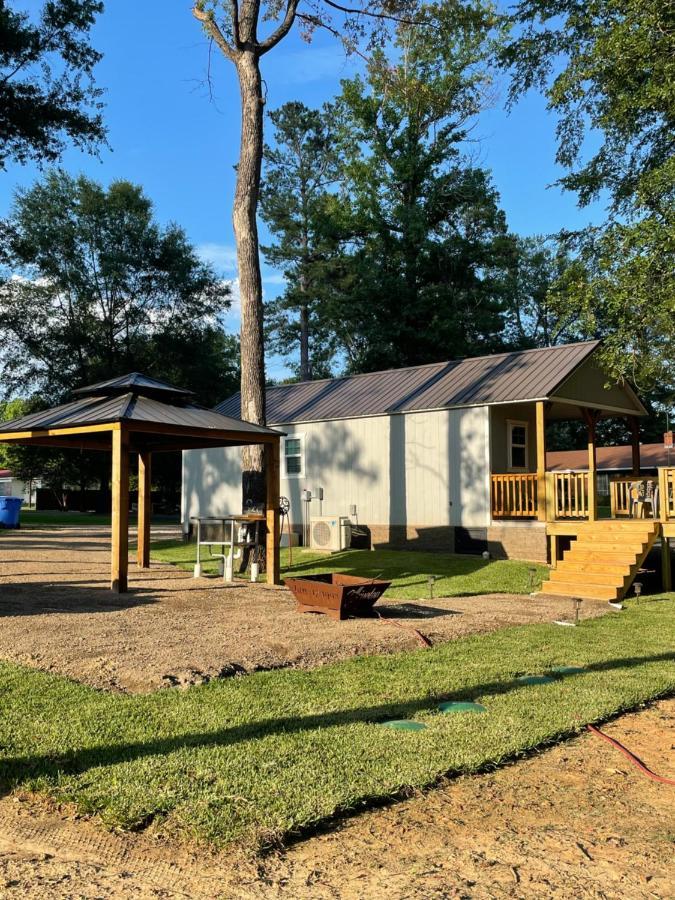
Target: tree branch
[212, 28]
[282, 30]
[318, 23]
[376, 15]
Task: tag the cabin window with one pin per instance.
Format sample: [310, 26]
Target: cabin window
[517, 444]
[294, 456]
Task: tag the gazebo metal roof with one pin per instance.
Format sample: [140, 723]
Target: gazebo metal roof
[157, 415]
[136, 413]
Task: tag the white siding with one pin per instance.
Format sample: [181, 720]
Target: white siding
[398, 470]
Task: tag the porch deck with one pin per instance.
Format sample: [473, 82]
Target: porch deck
[611, 540]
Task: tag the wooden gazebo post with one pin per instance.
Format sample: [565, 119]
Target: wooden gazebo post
[144, 508]
[120, 510]
[591, 417]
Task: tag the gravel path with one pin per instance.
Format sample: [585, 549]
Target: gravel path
[170, 630]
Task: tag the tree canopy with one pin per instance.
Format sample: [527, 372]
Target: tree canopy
[47, 92]
[607, 70]
[98, 288]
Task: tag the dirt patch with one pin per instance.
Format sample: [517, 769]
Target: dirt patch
[574, 821]
[173, 630]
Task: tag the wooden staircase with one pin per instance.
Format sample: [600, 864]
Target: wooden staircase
[604, 559]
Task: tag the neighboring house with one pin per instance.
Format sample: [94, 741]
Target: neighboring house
[445, 456]
[611, 461]
[12, 487]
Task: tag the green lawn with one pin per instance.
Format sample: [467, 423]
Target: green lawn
[258, 757]
[29, 517]
[409, 570]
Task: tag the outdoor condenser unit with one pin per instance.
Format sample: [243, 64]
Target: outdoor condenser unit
[332, 533]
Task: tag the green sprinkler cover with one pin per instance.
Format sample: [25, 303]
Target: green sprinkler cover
[567, 670]
[404, 725]
[456, 706]
[535, 679]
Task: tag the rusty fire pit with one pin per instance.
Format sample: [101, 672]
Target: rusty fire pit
[338, 596]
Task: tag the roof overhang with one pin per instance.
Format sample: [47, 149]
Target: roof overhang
[145, 437]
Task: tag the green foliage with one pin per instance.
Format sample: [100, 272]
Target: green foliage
[297, 204]
[540, 276]
[257, 758]
[98, 289]
[47, 94]
[608, 70]
[428, 244]
[606, 66]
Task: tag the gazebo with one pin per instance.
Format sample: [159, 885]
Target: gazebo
[137, 414]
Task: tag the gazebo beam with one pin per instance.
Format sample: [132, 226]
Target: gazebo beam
[272, 514]
[120, 511]
[144, 509]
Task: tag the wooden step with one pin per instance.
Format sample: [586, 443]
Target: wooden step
[629, 546]
[562, 575]
[584, 567]
[645, 526]
[611, 557]
[585, 592]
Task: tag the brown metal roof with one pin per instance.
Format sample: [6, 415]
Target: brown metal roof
[500, 378]
[128, 408]
[620, 458]
[137, 383]
[143, 401]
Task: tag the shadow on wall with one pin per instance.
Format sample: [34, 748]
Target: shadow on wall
[468, 463]
[334, 459]
[398, 504]
[211, 481]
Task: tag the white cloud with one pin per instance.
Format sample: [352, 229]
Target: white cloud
[222, 256]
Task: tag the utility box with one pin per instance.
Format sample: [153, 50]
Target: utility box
[331, 533]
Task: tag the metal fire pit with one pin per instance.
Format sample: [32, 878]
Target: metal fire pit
[338, 596]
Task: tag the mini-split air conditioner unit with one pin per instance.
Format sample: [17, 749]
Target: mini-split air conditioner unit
[331, 533]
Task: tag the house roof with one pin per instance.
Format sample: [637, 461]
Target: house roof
[610, 458]
[5, 473]
[500, 378]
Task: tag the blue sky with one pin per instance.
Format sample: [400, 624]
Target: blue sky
[168, 135]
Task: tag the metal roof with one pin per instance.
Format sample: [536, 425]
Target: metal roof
[138, 384]
[130, 407]
[500, 378]
[609, 458]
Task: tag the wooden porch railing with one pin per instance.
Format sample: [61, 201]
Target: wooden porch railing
[514, 496]
[570, 495]
[667, 494]
[620, 496]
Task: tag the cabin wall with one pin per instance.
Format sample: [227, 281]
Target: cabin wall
[414, 478]
[499, 417]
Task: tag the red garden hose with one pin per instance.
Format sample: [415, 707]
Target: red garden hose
[421, 638]
[631, 756]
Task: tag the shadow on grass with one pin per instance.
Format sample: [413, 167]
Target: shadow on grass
[14, 771]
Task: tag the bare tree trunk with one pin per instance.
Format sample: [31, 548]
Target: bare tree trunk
[248, 262]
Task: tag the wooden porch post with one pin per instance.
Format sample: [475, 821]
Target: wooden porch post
[144, 509]
[591, 418]
[120, 511]
[272, 505]
[541, 460]
[634, 423]
[666, 573]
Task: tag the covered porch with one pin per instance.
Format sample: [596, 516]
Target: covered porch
[567, 503]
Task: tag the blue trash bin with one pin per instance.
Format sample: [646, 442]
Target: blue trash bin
[10, 507]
